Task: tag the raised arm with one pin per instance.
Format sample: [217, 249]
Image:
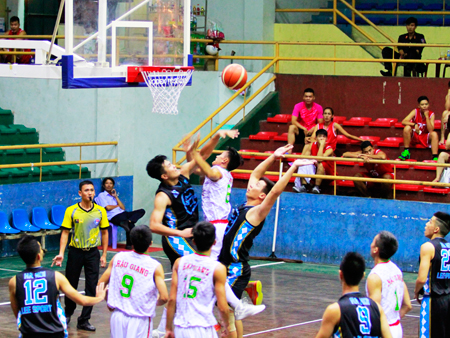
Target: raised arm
[162, 201]
[212, 173]
[344, 132]
[208, 148]
[171, 306]
[330, 319]
[426, 255]
[64, 285]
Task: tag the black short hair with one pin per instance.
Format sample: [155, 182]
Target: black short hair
[421, 98]
[308, 90]
[332, 111]
[204, 235]
[83, 183]
[352, 267]
[269, 185]
[387, 244]
[141, 238]
[443, 222]
[235, 159]
[106, 179]
[365, 144]
[155, 167]
[321, 132]
[28, 248]
[411, 20]
[14, 19]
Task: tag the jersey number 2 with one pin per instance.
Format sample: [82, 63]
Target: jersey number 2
[33, 291]
[127, 285]
[444, 260]
[364, 319]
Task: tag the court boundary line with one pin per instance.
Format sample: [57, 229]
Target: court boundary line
[283, 327]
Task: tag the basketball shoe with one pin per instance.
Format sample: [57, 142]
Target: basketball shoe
[254, 290]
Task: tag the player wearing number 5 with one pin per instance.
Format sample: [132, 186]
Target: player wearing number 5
[134, 282]
[385, 283]
[353, 315]
[34, 295]
[434, 279]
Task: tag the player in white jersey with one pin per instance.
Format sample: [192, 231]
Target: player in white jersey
[135, 279]
[385, 283]
[198, 281]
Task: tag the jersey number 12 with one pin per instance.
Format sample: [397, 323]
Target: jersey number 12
[33, 291]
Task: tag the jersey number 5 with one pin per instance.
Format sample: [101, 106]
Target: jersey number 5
[444, 260]
[127, 285]
[33, 291]
[364, 319]
[192, 289]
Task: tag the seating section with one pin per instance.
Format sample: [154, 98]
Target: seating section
[40, 220]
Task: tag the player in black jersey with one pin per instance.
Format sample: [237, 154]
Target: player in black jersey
[354, 315]
[434, 279]
[34, 295]
[246, 222]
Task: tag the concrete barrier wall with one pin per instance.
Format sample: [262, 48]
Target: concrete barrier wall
[322, 228]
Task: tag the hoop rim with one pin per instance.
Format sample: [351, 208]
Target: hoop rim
[134, 73]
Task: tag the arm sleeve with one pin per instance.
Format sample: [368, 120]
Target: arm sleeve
[100, 200]
[67, 222]
[104, 223]
[400, 40]
[319, 112]
[422, 40]
[296, 110]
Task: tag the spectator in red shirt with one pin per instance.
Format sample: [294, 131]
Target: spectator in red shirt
[374, 170]
[14, 24]
[305, 116]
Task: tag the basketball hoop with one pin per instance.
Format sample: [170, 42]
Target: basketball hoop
[165, 84]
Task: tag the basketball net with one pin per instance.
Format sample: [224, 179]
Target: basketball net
[166, 86]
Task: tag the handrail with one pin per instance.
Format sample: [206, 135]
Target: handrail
[48, 164]
[60, 145]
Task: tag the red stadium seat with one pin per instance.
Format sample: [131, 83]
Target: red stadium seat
[283, 137]
[431, 190]
[248, 151]
[373, 139]
[391, 142]
[403, 165]
[280, 118]
[238, 176]
[399, 125]
[341, 139]
[437, 124]
[357, 121]
[264, 136]
[422, 167]
[345, 184]
[442, 147]
[339, 119]
[349, 163]
[408, 187]
[383, 122]
[275, 178]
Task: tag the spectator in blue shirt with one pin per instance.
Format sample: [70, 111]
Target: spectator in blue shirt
[115, 210]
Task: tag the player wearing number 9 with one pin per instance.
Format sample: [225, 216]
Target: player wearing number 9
[433, 279]
[34, 294]
[353, 315]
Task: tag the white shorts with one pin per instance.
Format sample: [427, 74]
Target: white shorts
[220, 232]
[396, 331]
[310, 169]
[124, 326]
[195, 332]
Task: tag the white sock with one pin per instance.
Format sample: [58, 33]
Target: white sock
[162, 323]
[231, 297]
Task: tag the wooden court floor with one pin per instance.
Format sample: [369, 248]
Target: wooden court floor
[295, 295]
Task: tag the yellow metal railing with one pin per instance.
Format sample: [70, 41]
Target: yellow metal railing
[41, 164]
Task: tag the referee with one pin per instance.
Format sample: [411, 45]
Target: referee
[84, 220]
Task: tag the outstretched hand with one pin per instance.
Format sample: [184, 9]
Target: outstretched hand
[233, 133]
[301, 162]
[279, 153]
[58, 260]
[101, 290]
[187, 144]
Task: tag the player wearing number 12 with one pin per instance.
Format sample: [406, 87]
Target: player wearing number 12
[434, 279]
[134, 282]
[353, 315]
[34, 295]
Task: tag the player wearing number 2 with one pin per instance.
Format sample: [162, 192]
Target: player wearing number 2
[198, 281]
[353, 315]
[134, 282]
[434, 279]
[385, 283]
[34, 295]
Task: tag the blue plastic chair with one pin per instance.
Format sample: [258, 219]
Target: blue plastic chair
[5, 227]
[40, 219]
[58, 212]
[21, 222]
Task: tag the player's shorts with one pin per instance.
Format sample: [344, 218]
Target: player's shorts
[372, 184]
[175, 247]
[238, 277]
[220, 226]
[422, 139]
[195, 332]
[124, 326]
[434, 317]
[396, 330]
[300, 137]
[329, 168]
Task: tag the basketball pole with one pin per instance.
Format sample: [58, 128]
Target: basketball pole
[102, 13]
[55, 31]
[272, 255]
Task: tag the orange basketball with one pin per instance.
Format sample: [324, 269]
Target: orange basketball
[234, 76]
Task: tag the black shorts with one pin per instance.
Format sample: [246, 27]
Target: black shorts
[43, 335]
[434, 317]
[238, 277]
[300, 138]
[176, 247]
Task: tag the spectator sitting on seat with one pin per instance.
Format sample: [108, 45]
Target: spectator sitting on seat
[318, 148]
[419, 129]
[407, 53]
[305, 116]
[444, 119]
[14, 24]
[115, 210]
[332, 129]
[374, 170]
